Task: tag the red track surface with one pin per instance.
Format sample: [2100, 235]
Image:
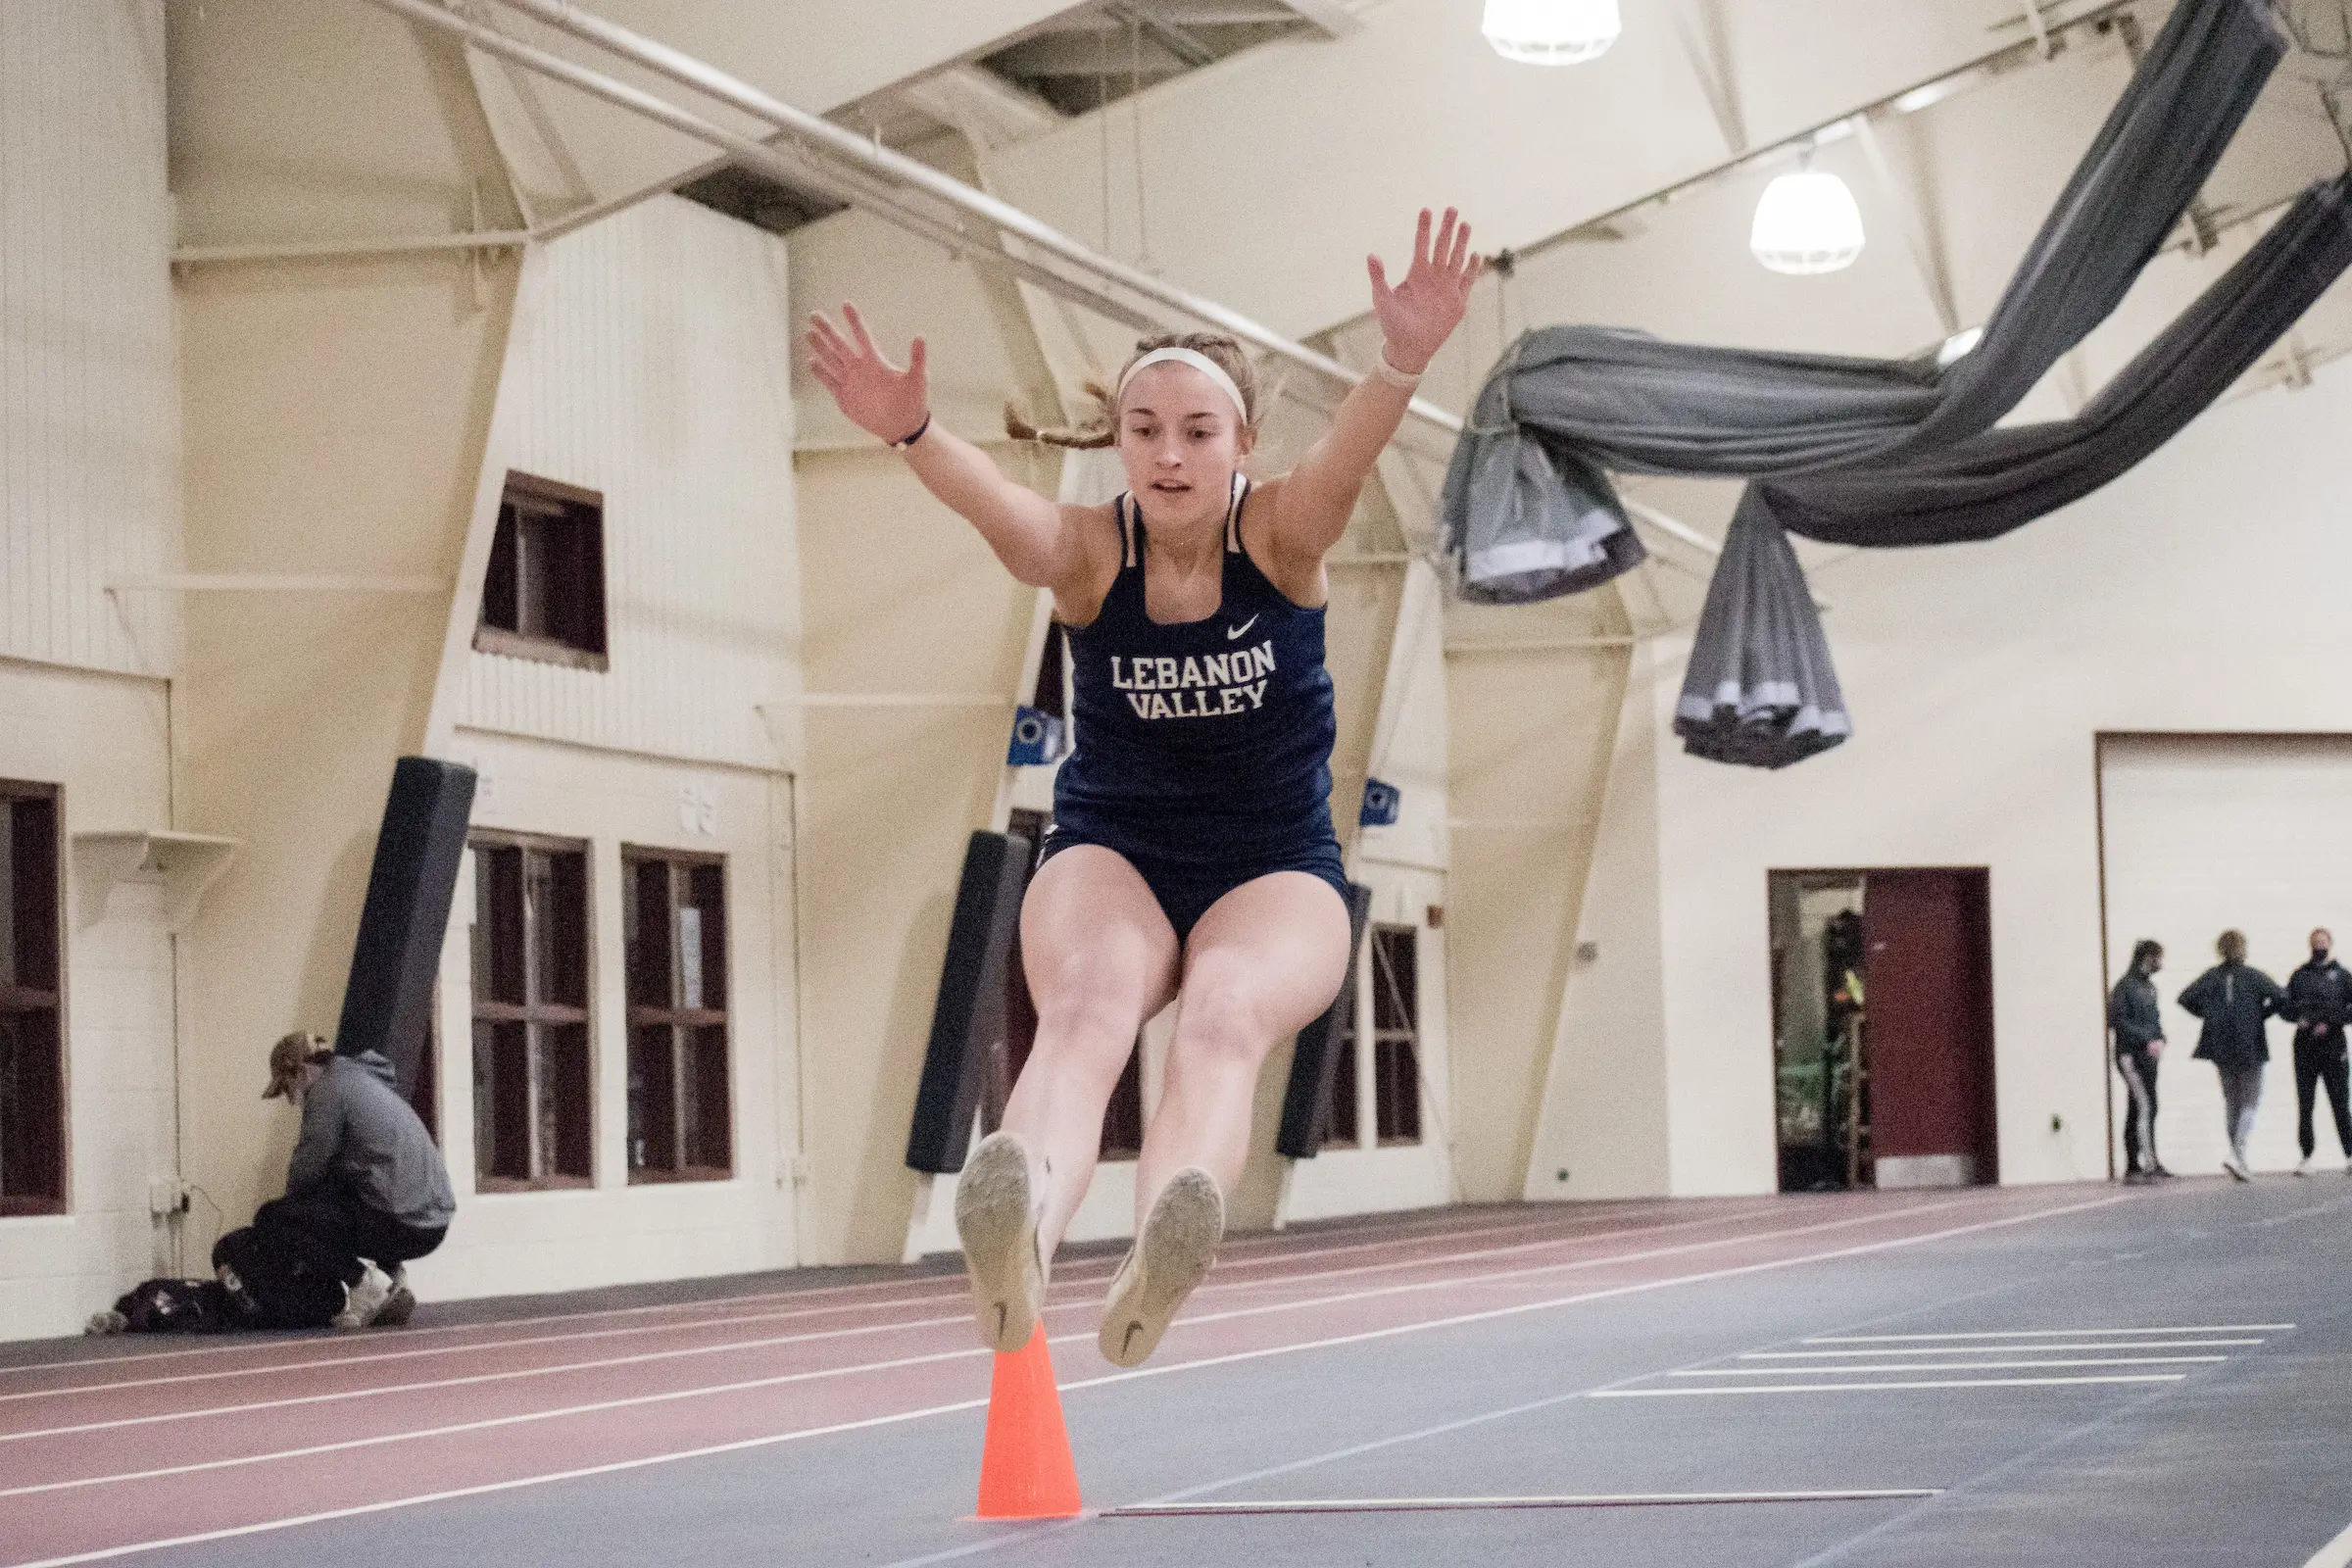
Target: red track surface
[103, 1456]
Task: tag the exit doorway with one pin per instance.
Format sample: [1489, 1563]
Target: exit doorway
[1881, 1023]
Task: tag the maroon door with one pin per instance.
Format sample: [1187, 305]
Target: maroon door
[1927, 937]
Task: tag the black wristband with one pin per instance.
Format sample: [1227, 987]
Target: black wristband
[903, 444]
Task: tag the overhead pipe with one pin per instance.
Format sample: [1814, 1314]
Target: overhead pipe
[883, 163]
[894, 166]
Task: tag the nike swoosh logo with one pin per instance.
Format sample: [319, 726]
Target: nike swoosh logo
[1231, 632]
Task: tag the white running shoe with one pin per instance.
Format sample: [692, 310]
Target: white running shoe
[2236, 1169]
[364, 1301]
[995, 1215]
[1179, 1242]
[2304, 1168]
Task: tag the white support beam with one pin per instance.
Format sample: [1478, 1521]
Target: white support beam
[1705, 38]
[1923, 236]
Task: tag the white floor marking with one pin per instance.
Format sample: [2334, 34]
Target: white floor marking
[2045, 1333]
[767, 1342]
[2010, 1349]
[2337, 1553]
[1085, 1270]
[1843, 1370]
[1597, 1500]
[955, 1290]
[1489, 1314]
[1920, 1383]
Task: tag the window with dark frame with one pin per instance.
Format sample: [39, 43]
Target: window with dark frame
[1341, 1126]
[33, 1060]
[1397, 1034]
[544, 594]
[533, 1116]
[676, 929]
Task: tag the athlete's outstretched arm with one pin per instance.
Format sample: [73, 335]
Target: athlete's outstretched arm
[1416, 317]
[1027, 531]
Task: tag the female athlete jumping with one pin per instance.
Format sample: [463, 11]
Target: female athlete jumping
[1191, 854]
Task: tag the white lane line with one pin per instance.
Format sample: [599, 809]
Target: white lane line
[765, 1343]
[1843, 1370]
[1596, 1500]
[1488, 1314]
[1855, 1388]
[2045, 1333]
[1922, 1382]
[2337, 1553]
[1077, 1277]
[2011, 1349]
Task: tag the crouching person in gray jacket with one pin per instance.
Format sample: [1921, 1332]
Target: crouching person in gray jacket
[366, 1190]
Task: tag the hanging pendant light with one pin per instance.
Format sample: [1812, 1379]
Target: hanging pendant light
[1551, 32]
[1806, 223]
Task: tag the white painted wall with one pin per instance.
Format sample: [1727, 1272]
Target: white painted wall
[89, 412]
[2201, 592]
[105, 739]
[613, 1232]
[89, 491]
[2205, 834]
[651, 361]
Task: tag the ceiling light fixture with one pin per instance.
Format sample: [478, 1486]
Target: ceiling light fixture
[1551, 32]
[1806, 223]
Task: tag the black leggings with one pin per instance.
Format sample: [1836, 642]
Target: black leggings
[2140, 1114]
[2319, 1059]
[336, 1229]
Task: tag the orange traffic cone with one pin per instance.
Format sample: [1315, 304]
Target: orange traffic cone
[1025, 1466]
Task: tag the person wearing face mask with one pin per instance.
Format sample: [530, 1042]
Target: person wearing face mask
[2137, 1019]
[2318, 999]
[2234, 999]
[1191, 854]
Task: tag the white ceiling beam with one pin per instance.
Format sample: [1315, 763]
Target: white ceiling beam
[1915, 216]
[1707, 44]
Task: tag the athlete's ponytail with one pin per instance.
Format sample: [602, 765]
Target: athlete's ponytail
[1103, 429]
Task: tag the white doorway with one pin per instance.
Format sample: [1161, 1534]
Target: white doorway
[2201, 834]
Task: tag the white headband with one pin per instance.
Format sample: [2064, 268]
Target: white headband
[1199, 362]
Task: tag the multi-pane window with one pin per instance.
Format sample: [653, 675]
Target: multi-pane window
[544, 594]
[676, 922]
[33, 1076]
[532, 1118]
[1395, 1034]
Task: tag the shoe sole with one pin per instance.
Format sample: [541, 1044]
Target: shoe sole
[999, 1229]
[398, 1308]
[1170, 1258]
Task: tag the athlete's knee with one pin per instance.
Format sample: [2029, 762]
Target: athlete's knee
[1222, 1026]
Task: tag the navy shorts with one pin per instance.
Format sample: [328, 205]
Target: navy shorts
[1185, 889]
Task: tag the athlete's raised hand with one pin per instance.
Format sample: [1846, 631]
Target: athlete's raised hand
[874, 394]
[1418, 314]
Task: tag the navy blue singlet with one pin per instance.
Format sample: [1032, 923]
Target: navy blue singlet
[1203, 748]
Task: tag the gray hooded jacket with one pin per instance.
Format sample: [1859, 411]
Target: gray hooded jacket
[357, 1130]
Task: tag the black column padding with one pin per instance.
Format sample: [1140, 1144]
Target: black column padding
[387, 1003]
[969, 1018]
[1306, 1101]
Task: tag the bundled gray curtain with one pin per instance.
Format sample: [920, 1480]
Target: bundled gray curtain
[1880, 451]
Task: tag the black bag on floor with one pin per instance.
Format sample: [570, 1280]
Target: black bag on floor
[181, 1307]
[275, 1281]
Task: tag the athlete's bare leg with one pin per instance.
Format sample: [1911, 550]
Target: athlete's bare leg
[1100, 958]
[1263, 962]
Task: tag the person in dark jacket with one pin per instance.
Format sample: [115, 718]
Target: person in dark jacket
[2319, 1001]
[2234, 999]
[366, 1190]
[2137, 1019]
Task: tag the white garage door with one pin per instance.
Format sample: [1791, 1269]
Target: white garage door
[2202, 835]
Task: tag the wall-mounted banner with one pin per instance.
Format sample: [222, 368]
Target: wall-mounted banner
[1036, 739]
[1381, 803]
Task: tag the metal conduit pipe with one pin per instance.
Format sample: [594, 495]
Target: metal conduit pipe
[898, 168]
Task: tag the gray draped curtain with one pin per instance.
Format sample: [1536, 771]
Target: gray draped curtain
[1887, 452]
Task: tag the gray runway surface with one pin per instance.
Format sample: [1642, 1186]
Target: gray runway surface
[2238, 1299]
